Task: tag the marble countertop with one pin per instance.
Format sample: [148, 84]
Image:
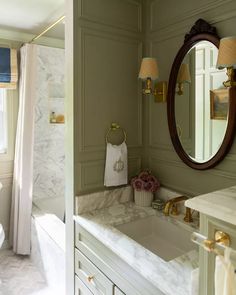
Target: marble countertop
[219, 204]
[172, 277]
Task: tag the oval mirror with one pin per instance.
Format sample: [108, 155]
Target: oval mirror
[201, 111]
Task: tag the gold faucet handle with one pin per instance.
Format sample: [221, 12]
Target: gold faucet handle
[188, 215]
[174, 210]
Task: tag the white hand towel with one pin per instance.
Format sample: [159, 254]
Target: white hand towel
[116, 165]
[225, 278]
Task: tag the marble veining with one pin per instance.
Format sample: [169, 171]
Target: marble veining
[103, 199]
[173, 277]
[49, 152]
[220, 204]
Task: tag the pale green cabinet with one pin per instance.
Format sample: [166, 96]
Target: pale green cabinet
[208, 227]
[98, 271]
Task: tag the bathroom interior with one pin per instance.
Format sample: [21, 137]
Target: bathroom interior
[117, 147]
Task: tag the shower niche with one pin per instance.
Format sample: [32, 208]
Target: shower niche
[56, 103]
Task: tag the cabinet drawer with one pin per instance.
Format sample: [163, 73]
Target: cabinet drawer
[80, 288]
[91, 276]
[118, 292]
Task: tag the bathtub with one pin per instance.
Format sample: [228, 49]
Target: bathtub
[48, 250]
[51, 206]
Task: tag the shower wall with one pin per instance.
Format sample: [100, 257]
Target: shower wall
[49, 135]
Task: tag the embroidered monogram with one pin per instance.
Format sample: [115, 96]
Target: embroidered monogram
[119, 166]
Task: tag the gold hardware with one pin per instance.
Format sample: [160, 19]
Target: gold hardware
[48, 28]
[231, 78]
[169, 206]
[114, 127]
[160, 91]
[90, 278]
[174, 210]
[188, 215]
[221, 238]
[170, 203]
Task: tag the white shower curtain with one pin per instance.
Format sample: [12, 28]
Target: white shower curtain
[20, 225]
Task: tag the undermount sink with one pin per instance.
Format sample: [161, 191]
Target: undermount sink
[163, 238]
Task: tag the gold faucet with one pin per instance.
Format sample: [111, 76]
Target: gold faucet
[172, 205]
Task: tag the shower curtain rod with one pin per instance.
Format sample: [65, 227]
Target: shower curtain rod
[48, 28]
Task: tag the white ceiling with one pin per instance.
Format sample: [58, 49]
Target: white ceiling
[32, 16]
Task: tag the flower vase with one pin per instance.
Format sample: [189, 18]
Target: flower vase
[143, 198]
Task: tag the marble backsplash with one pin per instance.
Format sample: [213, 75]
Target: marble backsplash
[49, 151]
[108, 198]
[103, 199]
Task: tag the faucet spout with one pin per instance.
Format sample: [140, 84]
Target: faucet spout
[171, 204]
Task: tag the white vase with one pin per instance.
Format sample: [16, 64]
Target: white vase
[143, 198]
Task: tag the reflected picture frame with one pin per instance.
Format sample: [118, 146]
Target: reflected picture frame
[219, 102]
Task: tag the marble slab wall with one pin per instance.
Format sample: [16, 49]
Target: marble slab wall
[49, 151]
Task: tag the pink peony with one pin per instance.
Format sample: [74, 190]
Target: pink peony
[145, 181]
[138, 184]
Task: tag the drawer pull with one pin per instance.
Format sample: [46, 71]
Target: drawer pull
[90, 278]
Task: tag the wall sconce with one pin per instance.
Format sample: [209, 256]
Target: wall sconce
[183, 77]
[227, 59]
[148, 72]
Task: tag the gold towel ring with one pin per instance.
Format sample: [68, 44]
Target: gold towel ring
[115, 127]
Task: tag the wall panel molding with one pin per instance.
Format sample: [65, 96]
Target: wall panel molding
[91, 173]
[217, 171]
[183, 24]
[85, 33]
[129, 10]
[185, 15]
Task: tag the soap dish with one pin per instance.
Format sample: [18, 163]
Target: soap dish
[158, 204]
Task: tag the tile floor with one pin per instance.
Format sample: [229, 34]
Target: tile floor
[43, 273]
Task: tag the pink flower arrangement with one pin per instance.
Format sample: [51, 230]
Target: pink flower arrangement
[145, 181]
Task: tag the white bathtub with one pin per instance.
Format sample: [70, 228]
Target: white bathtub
[51, 206]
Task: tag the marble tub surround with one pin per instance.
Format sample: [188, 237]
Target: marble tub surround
[103, 199]
[49, 151]
[220, 204]
[173, 277]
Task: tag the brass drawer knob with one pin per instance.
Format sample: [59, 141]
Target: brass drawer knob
[90, 278]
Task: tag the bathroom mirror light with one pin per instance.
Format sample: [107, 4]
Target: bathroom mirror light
[183, 77]
[227, 59]
[149, 72]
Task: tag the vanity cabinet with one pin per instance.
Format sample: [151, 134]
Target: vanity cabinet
[208, 227]
[99, 271]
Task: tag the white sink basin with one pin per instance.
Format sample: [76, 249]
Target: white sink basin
[161, 237]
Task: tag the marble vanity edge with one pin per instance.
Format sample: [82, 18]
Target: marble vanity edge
[96, 223]
[220, 204]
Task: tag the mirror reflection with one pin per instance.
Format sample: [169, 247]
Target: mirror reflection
[201, 102]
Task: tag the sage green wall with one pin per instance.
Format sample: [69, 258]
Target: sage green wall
[167, 23]
[109, 50]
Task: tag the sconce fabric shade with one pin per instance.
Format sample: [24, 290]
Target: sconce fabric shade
[8, 68]
[148, 69]
[184, 74]
[227, 53]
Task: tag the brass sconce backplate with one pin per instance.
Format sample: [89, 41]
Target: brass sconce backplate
[160, 91]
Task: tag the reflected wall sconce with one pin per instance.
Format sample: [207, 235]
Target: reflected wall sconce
[149, 72]
[227, 59]
[183, 77]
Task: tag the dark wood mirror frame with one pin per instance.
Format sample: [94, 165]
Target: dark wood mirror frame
[199, 32]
